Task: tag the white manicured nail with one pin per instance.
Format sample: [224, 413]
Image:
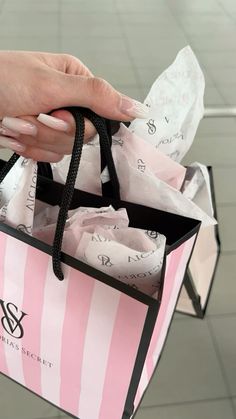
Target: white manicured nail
[52, 122]
[8, 132]
[19, 125]
[7, 142]
[133, 108]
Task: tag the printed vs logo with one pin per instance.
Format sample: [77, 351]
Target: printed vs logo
[12, 319]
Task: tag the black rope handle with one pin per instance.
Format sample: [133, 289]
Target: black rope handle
[106, 154]
[7, 167]
[105, 144]
[68, 192]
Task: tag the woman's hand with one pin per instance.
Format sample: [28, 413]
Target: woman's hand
[35, 83]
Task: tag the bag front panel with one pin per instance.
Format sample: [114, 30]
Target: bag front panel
[176, 265]
[72, 342]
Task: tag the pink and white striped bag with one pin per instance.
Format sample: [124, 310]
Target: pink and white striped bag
[88, 344]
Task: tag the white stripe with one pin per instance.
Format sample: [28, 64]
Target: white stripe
[144, 377]
[101, 321]
[14, 272]
[173, 298]
[55, 294]
[143, 381]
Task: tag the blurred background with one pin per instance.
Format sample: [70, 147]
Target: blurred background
[129, 43]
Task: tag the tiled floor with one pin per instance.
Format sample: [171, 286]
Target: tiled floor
[130, 42]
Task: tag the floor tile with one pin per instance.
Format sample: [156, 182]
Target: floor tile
[102, 45]
[149, 6]
[54, 417]
[76, 19]
[224, 181]
[98, 54]
[169, 45]
[132, 91]
[146, 18]
[28, 23]
[229, 94]
[156, 31]
[34, 5]
[223, 294]
[224, 76]
[117, 76]
[202, 150]
[206, 21]
[234, 404]
[218, 42]
[207, 410]
[228, 5]
[212, 126]
[213, 96]
[217, 59]
[224, 332]
[199, 7]
[163, 54]
[38, 43]
[25, 406]
[188, 369]
[80, 30]
[87, 6]
[227, 227]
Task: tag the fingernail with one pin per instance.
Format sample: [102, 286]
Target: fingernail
[12, 144]
[19, 125]
[133, 108]
[52, 122]
[8, 132]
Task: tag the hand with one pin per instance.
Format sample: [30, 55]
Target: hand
[35, 83]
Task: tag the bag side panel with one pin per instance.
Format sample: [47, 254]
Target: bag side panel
[201, 267]
[176, 264]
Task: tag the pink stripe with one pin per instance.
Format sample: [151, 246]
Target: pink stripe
[80, 290]
[126, 337]
[3, 364]
[35, 276]
[173, 298]
[175, 258]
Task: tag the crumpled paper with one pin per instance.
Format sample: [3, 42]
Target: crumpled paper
[144, 155]
[197, 187]
[101, 238]
[144, 187]
[17, 195]
[176, 107]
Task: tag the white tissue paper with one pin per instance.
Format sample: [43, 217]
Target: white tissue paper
[17, 195]
[101, 238]
[144, 153]
[176, 107]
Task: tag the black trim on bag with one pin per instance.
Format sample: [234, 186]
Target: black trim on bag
[167, 334]
[146, 337]
[189, 285]
[80, 266]
[50, 192]
[178, 230]
[145, 340]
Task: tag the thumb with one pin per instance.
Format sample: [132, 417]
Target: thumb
[98, 95]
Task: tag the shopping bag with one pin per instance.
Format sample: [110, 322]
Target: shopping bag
[88, 344]
[200, 274]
